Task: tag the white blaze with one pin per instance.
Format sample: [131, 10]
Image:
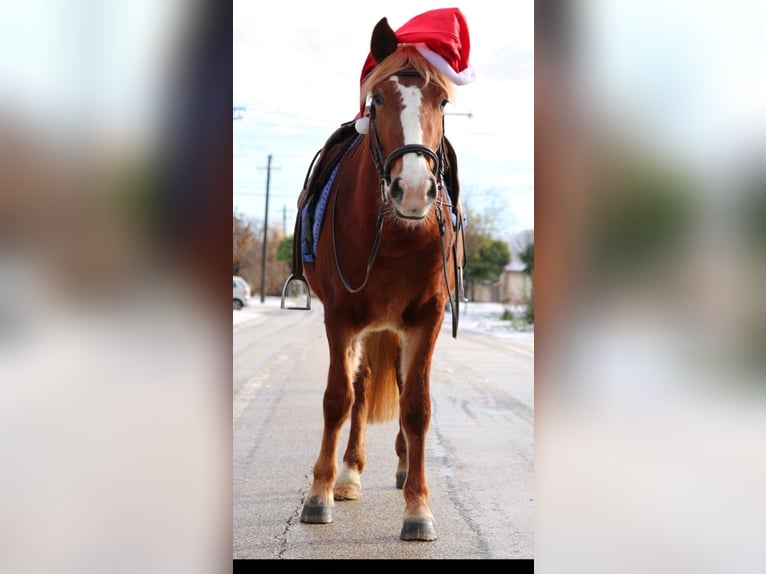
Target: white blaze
[414, 167]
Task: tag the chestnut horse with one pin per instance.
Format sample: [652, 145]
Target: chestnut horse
[386, 267]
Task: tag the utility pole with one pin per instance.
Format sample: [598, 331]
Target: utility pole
[265, 233]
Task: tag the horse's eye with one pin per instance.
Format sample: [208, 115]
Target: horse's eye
[444, 103]
[377, 99]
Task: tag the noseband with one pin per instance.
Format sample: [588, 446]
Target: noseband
[384, 166]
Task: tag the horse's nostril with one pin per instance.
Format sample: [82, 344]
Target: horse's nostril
[397, 191]
[432, 189]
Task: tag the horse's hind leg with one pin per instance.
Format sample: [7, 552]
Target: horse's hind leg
[401, 443]
[401, 452]
[338, 397]
[349, 484]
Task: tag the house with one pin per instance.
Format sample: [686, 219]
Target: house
[513, 287]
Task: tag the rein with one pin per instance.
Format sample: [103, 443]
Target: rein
[373, 253]
[384, 175]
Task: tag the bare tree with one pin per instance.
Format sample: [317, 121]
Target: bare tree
[245, 245]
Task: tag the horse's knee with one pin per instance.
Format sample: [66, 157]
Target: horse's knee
[415, 419]
[337, 404]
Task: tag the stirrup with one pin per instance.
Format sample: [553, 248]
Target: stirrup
[308, 292]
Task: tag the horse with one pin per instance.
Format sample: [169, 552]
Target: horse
[387, 266]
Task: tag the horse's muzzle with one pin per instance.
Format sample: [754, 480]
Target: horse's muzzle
[413, 200]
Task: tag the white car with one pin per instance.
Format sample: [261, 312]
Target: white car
[241, 293]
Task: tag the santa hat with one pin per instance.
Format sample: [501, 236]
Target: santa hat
[441, 37]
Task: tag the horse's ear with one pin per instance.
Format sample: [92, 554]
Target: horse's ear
[383, 42]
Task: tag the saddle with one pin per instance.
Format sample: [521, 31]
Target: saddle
[317, 176]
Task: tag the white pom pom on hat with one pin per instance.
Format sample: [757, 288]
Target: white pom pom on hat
[362, 125]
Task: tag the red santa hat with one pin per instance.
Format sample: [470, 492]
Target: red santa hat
[441, 37]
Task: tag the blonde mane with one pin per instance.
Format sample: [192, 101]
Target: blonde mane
[406, 56]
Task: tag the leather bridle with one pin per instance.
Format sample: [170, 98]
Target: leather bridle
[384, 165]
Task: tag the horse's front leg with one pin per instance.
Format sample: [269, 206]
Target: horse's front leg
[349, 483]
[415, 407]
[338, 398]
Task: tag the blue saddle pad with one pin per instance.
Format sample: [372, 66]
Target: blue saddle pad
[313, 218]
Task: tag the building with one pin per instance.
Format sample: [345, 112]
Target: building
[513, 287]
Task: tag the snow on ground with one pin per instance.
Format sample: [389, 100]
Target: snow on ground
[474, 317]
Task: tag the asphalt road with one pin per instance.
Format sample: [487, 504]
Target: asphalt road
[480, 449]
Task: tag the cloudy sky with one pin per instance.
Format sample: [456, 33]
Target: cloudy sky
[296, 71]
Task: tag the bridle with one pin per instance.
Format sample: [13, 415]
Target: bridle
[383, 167]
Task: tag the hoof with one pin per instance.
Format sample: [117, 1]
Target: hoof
[418, 529]
[316, 512]
[348, 486]
[347, 492]
[401, 476]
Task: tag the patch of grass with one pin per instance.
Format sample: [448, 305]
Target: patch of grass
[519, 318]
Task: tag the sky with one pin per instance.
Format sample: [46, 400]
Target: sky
[297, 74]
